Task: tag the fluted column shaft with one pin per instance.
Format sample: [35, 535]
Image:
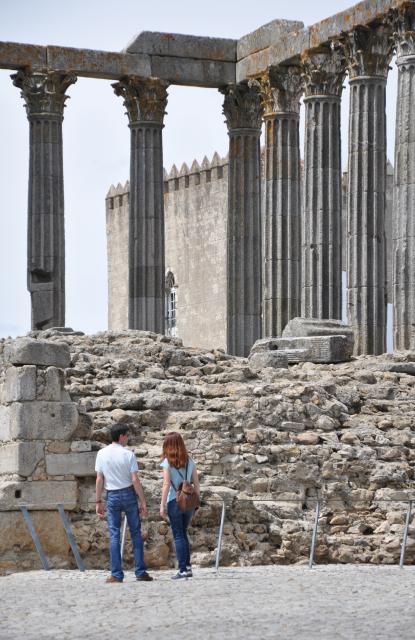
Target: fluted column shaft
[321, 231]
[281, 91]
[145, 101]
[404, 188]
[44, 96]
[368, 53]
[243, 111]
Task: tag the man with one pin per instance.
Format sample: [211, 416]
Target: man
[117, 470]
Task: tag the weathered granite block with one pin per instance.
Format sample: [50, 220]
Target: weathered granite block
[19, 384]
[265, 36]
[321, 348]
[50, 384]
[76, 463]
[274, 359]
[39, 421]
[264, 344]
[43, 494]
[40, 352]
[20, 457]
[183, 46]
[302, 327]
[5, 424]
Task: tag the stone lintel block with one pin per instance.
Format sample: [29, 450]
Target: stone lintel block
[15, 55]
[19, 384]
[183, 46]
[261, 360]
[327, 349]
[38, 494]
[289, 47]
[98, 64]
[265, 36]
[362, 13]
[75, 463]
[20, 458]
[39, 352]
[193, 72]
[302, 327]
[40, 421]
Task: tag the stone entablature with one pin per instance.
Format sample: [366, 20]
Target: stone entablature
[197, 60]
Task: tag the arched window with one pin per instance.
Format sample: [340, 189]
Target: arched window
[171, 302]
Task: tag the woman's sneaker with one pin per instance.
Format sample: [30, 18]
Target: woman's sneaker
[179, 575]
[189, 572]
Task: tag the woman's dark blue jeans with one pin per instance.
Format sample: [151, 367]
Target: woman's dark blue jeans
[124, 500]
[179, 522]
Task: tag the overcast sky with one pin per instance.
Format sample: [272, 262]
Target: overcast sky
[96, 134]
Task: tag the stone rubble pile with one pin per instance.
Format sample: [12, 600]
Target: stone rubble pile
[268, 441]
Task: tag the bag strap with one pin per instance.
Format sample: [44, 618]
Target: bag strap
[180, 474]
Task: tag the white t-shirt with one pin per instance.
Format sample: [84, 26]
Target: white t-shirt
[116, 463]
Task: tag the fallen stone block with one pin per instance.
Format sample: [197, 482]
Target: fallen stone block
[37, 495]
[322, 349]
[19, 384]
[38, 421]
[75, 463]
[20, 458]
[309, 327]
[263, 359]
[39, 352]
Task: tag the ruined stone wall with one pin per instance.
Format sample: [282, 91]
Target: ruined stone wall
[269, 443]
[195, 205]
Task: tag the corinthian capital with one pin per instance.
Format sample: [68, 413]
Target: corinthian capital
[43, 93]
[404, 32]
[242, 105]
[368, 51]
[281, 90]
[144, 99]
[323, 72]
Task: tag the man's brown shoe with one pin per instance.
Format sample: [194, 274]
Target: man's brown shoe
[112, 579]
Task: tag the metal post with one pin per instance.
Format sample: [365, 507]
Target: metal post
[314, 538]
[124, 533]
[405, 535]
[71, 538]
[219, 546]
[35, 538]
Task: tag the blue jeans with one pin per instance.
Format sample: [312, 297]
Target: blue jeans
[179, 522]
[124, 500]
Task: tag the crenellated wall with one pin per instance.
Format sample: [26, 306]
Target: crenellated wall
[195, 207]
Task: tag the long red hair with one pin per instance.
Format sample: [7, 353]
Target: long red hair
[174, 449]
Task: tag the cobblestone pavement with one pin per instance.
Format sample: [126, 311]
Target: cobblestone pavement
[329, 602]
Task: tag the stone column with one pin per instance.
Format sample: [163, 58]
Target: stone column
[404, 188]
[323, 73]
[243, 112]
[281, 92]
[368, 53]
[145, 101]
[44, 96]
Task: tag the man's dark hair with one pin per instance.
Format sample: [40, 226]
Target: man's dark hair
[118, 430]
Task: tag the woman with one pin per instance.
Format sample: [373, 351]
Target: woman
[177, 467]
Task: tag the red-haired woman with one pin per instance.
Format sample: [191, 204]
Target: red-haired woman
[177, 467]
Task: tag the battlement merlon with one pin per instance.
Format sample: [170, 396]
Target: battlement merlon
[196, 60]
